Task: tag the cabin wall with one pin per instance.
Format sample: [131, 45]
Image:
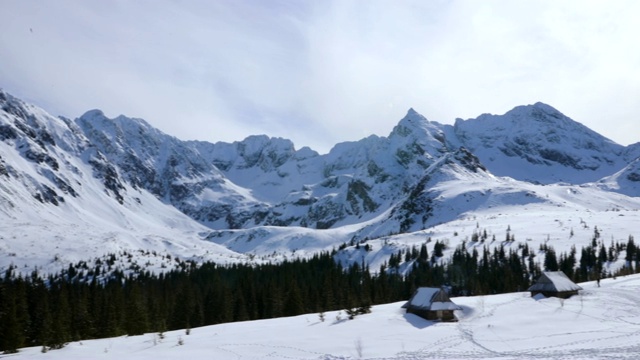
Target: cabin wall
[561, 294]
[441, 315]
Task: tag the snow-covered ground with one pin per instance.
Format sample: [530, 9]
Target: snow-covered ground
[600, 323]
[49, 238]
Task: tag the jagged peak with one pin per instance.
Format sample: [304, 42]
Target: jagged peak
[123, 119]
[6, 96]
[264, 139]
[414, 122]
[538, 111]
[257, 143]
[120, 126]
[257, 150]
[97, 115]
[305, 153]
[544, 106]
[413, 116]
[417, 129]
[3, 94]
[93, 114]
[412, 112]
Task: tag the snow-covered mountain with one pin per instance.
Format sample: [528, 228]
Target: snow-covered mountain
[539, 144]
[62, 201]
[91, 186]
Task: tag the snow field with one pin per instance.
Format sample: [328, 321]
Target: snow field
[600, 322]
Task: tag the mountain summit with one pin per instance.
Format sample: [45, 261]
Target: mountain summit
[539, 144]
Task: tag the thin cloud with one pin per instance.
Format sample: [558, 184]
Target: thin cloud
[323, 72]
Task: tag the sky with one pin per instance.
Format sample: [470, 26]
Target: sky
[326, 71]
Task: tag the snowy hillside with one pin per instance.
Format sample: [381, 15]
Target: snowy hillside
[73, 190]
[61, 202]
[625, 181]
[600, 322]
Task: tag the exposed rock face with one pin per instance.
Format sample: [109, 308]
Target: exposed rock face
[263, 181]
[537, 143]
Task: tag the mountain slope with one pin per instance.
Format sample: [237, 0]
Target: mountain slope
[539, 144]
[625, 181]
[170, 169]
[124, 186]
[62, 201]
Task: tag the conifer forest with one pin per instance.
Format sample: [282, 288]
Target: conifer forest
[94, 301]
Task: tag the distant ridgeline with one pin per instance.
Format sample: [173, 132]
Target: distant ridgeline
[83, 303]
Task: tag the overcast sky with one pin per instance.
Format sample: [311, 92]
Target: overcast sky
[322, 72]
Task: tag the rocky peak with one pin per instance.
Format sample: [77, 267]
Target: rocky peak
[265, 152]
[528, 141]
[415, 125]
[121, 132]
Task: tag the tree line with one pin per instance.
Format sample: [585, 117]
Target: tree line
[51, 311]
[77, 304]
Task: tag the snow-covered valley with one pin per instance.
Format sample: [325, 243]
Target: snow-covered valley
[599, 323]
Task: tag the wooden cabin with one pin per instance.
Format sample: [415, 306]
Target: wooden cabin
[554, 284]
[432, 304]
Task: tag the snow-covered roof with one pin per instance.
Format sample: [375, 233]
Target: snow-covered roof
[554, 281]
[422, 297]
[426, 298]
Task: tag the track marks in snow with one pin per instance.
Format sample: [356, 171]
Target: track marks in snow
[253, 350]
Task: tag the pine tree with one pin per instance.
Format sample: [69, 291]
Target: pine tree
[60, 333]
[39, 331]
[424, 254]
[240, 312]
[438, 247]
[137, 321]
[13, 316]
[293, 305]
[81, 318]
[550, 260]
[631, 250]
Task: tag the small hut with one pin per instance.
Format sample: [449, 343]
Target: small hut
[432, 304]
[554, 284]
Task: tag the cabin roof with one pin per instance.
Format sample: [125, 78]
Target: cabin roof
[554, 281]
[434, 299]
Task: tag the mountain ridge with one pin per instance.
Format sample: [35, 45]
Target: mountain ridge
[238, 198]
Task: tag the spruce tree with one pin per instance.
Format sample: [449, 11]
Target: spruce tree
[550, 260]
[137, 322]
[60, 333]
[11, 317]
[293, 305]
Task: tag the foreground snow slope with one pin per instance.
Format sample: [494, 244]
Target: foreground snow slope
[601, 322]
